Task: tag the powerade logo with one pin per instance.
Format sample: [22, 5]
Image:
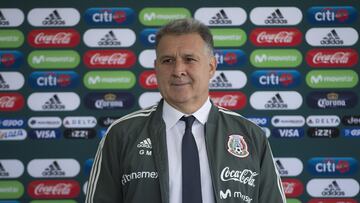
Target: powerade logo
[332, 166]
[10, 59]
[233, 37]
[12, 123]
[281, 58]
[147, 36]
[287, 132]
[109, 16]
[276, 78]
[332, 15]
[332, 79]
[45, 134]
[227, 58]
[351, 132]
[332, 100]
[260, 121]
[54, 79]
[107, 101]
[161, 16]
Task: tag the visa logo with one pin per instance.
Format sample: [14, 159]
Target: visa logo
[331, 15]
[288, 132]
[45, 134]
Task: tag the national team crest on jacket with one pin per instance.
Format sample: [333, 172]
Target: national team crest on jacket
[237, 146]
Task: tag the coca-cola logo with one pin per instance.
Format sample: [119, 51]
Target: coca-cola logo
[11, 101]
[229, 100]
[276, 37]
[148, 80]
[54, 38]
[292, 187]
[53, 189]
[246, 176]
[109, 58]
[332, 58]
[332, 200]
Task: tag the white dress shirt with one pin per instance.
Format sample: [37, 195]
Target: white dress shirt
[174, 133]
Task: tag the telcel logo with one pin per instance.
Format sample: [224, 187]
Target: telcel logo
[332, 166]
[281, 58]
[332, 79]
[332, 14]
[109, 16]
[161, 16]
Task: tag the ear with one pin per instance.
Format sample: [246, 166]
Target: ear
[213, 66]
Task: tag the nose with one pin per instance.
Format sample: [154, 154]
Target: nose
[179, 68]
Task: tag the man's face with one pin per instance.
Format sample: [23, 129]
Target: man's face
[183, 68]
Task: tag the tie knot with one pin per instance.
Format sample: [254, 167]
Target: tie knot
[189, 120]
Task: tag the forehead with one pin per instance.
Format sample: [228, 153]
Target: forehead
[169, 44]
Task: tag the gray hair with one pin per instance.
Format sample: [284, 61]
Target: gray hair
[187, 26]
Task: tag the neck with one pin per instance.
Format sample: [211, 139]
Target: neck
[187, 108]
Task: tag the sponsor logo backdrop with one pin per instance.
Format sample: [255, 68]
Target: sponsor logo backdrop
[68, 69]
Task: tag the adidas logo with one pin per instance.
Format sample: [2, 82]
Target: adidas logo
[53, 170]
[276, 18]
[333, 190]
[220, 18]
[220, 81]
[3, 20]
[3, 84]
[145, 144]
[3, 172]
[109, 40]
[280, 167]
[54, 18]
[53, 103]
[276, 102]
[332, 38]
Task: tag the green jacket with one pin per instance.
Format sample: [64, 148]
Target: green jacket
[131, 161]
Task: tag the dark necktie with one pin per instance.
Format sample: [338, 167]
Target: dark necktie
[191, 181]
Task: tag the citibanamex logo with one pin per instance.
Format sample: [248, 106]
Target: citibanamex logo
[11, 102]
[54, 189]
[332, 57]
[276, 37]
[109, 58]
[148, 80]
[229, 100]
[54, 38]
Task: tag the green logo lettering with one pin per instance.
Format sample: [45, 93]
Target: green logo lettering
[161, 16]
[11, 38]
[228, 37]
[276, 58]
[49, 59]
[11, 189]
[332, 79]
[109, 80]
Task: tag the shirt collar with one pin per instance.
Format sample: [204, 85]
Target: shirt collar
[171, 115]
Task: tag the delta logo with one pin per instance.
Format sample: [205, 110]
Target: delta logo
[332, 100]
[332, 58]
[332, 15]
[109, 16]
[10, 59]
[292, 187]
[276, 78]
[227, 58]
[53, 189]
[147, 80]
[109, 58]
[54, 38]
[229, 100]
[269, 37]
[147, 36]
[332, 166]
[11, 102]
[109, 101]
[54, 79]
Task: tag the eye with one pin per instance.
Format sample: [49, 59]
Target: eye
[190, 60]
[167, 61]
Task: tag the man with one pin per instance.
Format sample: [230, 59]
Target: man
[149, 156]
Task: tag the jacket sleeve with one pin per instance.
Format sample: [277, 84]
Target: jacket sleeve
[271, 190]
[104, 184]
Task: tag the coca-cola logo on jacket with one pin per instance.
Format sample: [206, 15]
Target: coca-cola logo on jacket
[229, 100]
[54, 38]
[276, 37]
[109, 58]
[53, 189]
[11, 101]
[148, 80]
[332, 57]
